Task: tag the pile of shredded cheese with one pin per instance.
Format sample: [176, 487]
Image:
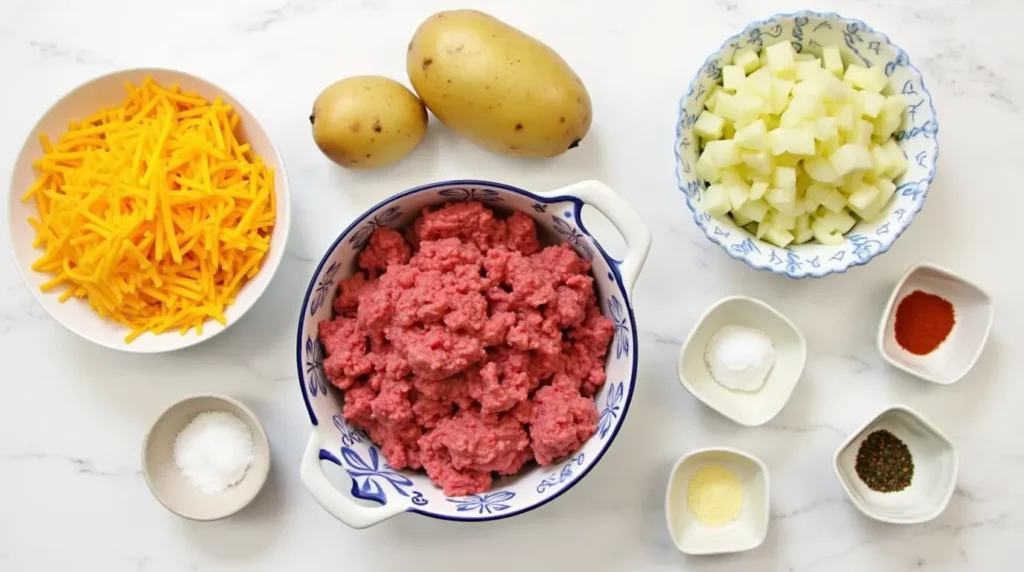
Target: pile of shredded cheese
[153, 211]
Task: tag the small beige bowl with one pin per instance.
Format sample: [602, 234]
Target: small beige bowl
[169, 485]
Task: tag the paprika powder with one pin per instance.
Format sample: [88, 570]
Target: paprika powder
[923, 322]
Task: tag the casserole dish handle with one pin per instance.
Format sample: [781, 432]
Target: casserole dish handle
[341, 506]
[625, 219]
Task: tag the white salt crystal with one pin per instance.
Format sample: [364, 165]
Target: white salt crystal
[740, 358]
[214, 451]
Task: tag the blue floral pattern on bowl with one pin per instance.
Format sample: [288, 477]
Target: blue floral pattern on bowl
[314, 359]
[565, 473]
[373, 479]
[486, 503]
[917, 137]
[361, 237]
[612, 408]
[324, 287]
[620, 338]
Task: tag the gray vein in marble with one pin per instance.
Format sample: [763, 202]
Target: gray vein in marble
[259, 373]
[81, 466]
[968, 496]
[728, 5]
[863, 366]
[17, 305]
[808, 508]
[1003, 99]
[50, 50]
[268, 18]
[663, 340]
[953, 530]
[807, 428]
[372, 5]
[299, 257]
[817, 563]
[955, 68]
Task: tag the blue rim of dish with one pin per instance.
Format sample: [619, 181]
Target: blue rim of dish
[613, 264]
[679, 133]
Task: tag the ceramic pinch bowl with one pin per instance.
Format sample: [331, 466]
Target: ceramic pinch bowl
[750, 408]
[935, 469]
[749, 529]
[958, 354]
[167, 483]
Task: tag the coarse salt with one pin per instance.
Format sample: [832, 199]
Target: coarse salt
[740, 358]
[214, 451]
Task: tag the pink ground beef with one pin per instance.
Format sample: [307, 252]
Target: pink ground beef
[465, 349]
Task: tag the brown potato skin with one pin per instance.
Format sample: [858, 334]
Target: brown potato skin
[497, 86]
[367, 122]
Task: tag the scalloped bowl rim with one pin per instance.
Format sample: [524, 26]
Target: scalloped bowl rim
[854, 261]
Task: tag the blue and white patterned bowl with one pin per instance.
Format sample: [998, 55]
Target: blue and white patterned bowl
[917, 137]
[558, 218]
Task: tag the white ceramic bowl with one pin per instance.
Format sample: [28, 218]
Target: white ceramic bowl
[167, 483]
[935, 469]
[917, 137]
[961, 350]
[75, 314]
[753, 407]
[750, 527]
[558, 218]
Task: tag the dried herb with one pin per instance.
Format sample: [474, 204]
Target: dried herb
[884, 462]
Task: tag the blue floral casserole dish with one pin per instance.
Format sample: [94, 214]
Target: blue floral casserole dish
[558, 218]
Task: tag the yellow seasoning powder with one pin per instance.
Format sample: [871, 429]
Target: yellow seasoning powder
[714, 495]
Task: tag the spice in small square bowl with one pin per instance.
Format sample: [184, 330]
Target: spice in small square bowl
[935, 324]
[898, 467]
[717, 501]
[743, 359]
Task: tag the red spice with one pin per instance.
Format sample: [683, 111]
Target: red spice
[923, 322]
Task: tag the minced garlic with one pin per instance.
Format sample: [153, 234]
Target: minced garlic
[714, 495]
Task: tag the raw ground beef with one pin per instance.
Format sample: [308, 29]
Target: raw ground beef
[465, 349]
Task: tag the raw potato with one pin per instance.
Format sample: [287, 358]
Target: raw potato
[800, 146]
[366, 122]
[497, 86]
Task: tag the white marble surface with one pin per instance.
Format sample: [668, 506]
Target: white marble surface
[72, 416]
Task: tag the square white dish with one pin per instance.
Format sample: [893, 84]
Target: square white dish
[936, 465]
[958, 354]
[746, 408]
[749, 529]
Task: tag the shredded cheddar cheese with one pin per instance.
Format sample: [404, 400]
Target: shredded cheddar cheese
[153, 211]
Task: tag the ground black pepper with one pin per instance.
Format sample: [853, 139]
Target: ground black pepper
[884, 462]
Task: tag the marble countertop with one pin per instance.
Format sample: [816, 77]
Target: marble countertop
[72, 415]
